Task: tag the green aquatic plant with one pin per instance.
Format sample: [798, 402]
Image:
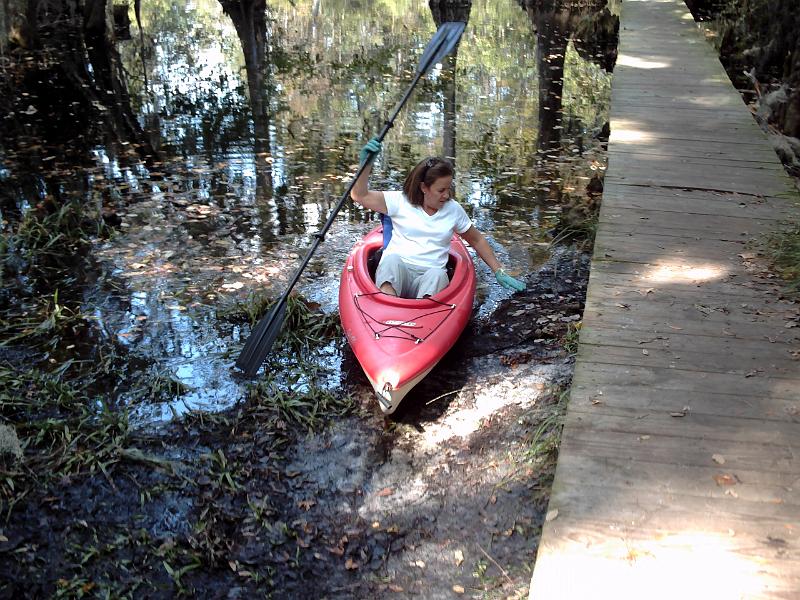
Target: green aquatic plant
[304, 325]
[45, 324]
[50, 237]
[299, 399]
[62, 429]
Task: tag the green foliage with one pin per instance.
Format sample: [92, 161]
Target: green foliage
[302, 402]
[63, 430]
[571, 338]
[784, 251]
[49, 238]
[544, 441]
[305, 325]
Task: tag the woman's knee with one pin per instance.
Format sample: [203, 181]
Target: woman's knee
[432, 282]
[390, 270]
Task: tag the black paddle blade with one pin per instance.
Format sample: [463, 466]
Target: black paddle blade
[261, 339]
[441, 44]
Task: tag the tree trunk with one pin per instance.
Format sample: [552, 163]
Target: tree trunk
[249, 18]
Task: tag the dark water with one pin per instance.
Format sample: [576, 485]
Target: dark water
[251, 160]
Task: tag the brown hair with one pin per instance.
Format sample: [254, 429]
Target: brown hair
[427, 171]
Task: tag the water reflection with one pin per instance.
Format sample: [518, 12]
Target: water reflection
[250, 118]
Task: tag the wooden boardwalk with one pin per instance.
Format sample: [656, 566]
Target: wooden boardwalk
[679, 471]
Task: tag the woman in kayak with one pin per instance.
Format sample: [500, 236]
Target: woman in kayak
[423, 220]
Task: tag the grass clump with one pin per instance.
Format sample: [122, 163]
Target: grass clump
[784, 251]
[63, 432]
[304, 325]
[545, 439]
[50, 237]
[572, 337]
[299, 400]
[44, 324]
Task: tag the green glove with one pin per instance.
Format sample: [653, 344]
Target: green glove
[508, 282]
[370, 150]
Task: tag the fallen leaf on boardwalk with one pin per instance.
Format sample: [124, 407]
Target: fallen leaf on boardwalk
[418, 563]
[458, 589]
[551, 515]
[675, 327]
[646, 352]
[350, 564]
[645, 292]
[641, 438]
[718, 458]
[621, 305]
[386, 492]
[776, 541]
[725, 479]
[459, 557]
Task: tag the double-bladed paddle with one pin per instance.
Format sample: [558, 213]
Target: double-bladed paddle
[267, 329]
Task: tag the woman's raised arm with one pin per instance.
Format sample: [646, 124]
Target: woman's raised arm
[361, 193]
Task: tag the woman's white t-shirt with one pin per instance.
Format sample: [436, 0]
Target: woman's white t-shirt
[421, 239]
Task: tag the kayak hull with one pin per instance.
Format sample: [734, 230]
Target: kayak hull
[398, 341]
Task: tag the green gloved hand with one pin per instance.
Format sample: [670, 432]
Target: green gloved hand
[370, 150]
[508, 282]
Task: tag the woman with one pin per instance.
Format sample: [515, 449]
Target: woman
[424, 218]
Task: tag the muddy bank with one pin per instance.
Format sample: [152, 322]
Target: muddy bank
[449, 496]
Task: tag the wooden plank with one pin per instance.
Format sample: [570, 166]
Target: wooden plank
[706, 359]
[698, 222]
[628, 471]
[683, 247]
[712, 153]
[655, 232]
[647, 279]
[651, 318]
[654, 156]
[626, 129]
[612, 397]
[617, 196]
[679, 379]
[641, 173]
[679, 341]
[644, 440]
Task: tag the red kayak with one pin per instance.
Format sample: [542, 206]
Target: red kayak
[398, 340]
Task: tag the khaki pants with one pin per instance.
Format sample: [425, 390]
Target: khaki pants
[410, 281]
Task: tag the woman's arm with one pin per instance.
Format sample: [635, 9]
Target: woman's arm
[476, 239]
[367, 198]
[361, 193]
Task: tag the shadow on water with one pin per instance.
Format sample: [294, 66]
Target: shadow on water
[159, 186]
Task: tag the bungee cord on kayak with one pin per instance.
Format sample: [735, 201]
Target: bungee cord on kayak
[399, 325]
